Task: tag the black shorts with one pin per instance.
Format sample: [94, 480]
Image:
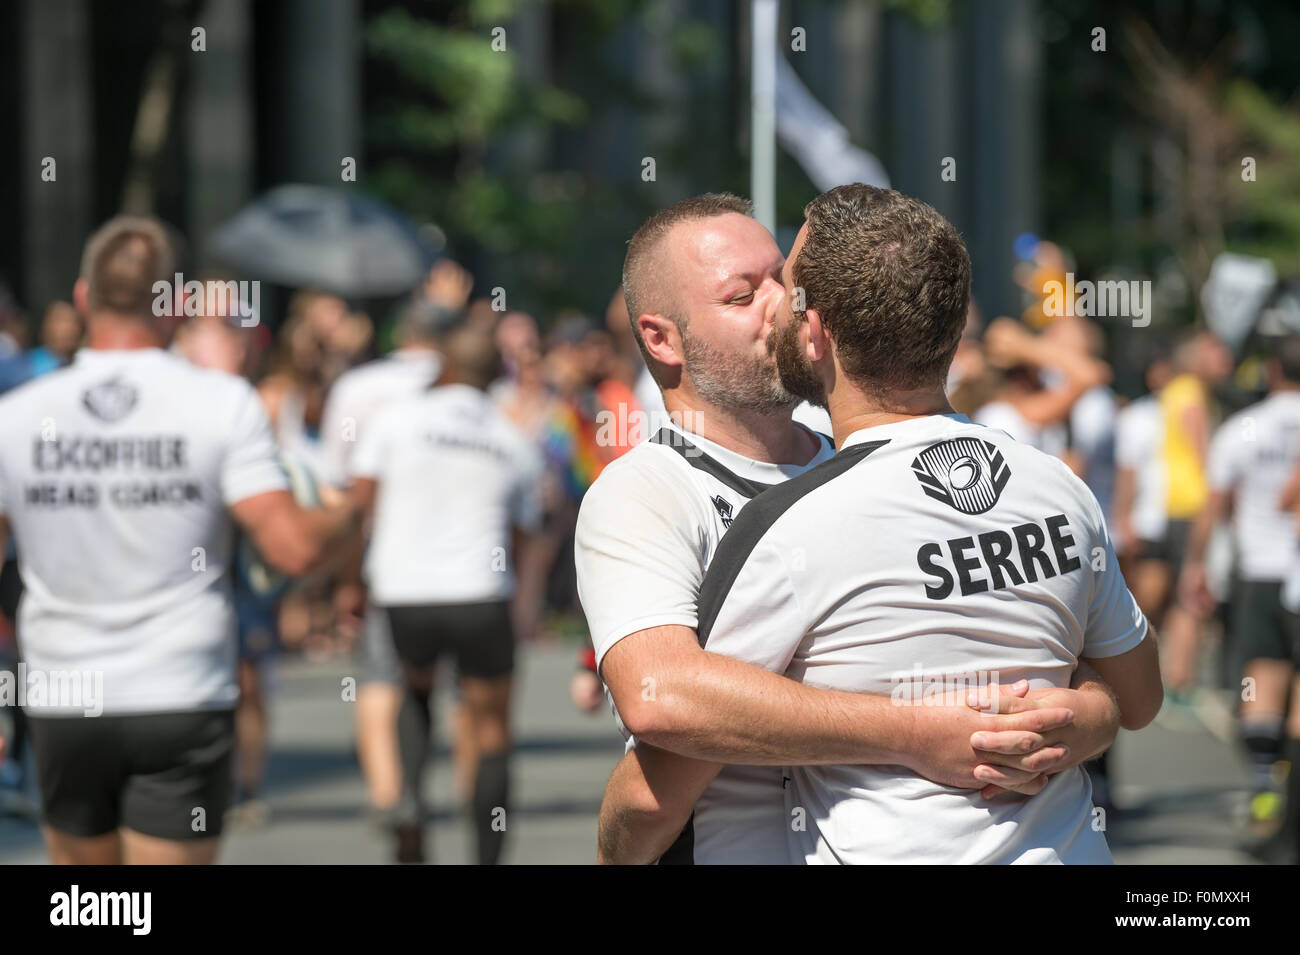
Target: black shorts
[1261, 627]
[1177, 536]
[1153, 550]
[150, 772]
[478, 635]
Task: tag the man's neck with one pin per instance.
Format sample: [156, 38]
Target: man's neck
[120, 333]
[852, 409]
[772, 438]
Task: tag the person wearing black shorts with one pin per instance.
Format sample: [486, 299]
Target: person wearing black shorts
[453, 487]
[1253, 461]
[121, 479]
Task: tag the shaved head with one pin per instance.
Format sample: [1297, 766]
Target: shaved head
[648, 271]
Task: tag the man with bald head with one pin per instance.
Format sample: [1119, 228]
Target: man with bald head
[703, 285]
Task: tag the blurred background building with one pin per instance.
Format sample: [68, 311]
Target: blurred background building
[530, 159]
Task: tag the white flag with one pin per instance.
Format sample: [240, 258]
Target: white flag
[815, 138]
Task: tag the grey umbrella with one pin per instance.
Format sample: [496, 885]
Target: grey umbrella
[333, 239]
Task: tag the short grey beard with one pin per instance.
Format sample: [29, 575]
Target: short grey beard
[734, 383]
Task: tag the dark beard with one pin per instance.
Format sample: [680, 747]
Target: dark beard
[796, 371]
[734, 382]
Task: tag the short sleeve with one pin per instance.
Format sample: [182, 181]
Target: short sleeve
[251, 465]
[334, 447]
[368, 458]
[1000, 416]
[760, 620]
[1223, 465]
[1129, 451]
[1115, 622]
[639, 551]
[526, 499]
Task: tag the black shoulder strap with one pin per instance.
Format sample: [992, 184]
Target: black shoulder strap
[682, 851]
[696, 458]
[753, 522]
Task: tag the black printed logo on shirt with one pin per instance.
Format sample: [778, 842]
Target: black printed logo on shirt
[967, 474]
[110, 400]
[724, 509]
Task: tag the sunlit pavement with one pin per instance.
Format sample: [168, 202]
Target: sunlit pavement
[1178, 791]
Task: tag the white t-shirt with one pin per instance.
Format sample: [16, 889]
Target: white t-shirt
[359, 393]
[454, 477]
[1139, 440]
[1253, 455]
[116, 474]
[1003, 416]
[647, 530]
[931, 555]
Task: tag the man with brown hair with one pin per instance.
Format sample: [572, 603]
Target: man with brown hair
[119, 479]
[703, 283]
[930, 557]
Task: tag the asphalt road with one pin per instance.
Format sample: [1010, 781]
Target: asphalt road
[1179, 786]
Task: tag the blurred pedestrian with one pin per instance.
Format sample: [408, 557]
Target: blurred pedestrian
[123, 522]
[1251, 459]
[1201, 361]
[357, 397]
[452, 486]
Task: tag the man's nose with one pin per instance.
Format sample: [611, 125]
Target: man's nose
[773, 291]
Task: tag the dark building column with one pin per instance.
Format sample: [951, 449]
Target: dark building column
[316, 92]
[1004, 64]
[57, 123]
[218, 123]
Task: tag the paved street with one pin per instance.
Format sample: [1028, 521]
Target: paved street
[1177, 787]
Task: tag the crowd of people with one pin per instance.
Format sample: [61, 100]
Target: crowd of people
[562, 400]
[428, 480]
[1197, 475]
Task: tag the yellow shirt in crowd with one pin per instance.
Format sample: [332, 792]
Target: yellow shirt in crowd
[1186, 487]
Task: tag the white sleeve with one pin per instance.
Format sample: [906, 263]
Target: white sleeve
[1000, 416]
[761, 621]
[1092, 423]
[334, 449]
[1128, 444]
[1115, 622]
[251, 465]
[639, 551]
[368, 457]
[1225, 456]
[526, 499]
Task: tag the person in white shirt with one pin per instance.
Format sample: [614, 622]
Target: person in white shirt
[702, 281]
[354, 400]
[121, 480]
[915, 555]
[454, 488]
[1251, 460]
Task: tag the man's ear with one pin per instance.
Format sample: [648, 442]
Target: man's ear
[816, 342]
[81, 297]
[662, 339]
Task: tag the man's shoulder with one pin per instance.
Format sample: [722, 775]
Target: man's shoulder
[648, 461]
[206, 386]
[375, 368]
[650, 475]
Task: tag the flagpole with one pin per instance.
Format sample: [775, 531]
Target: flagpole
[764, 18]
